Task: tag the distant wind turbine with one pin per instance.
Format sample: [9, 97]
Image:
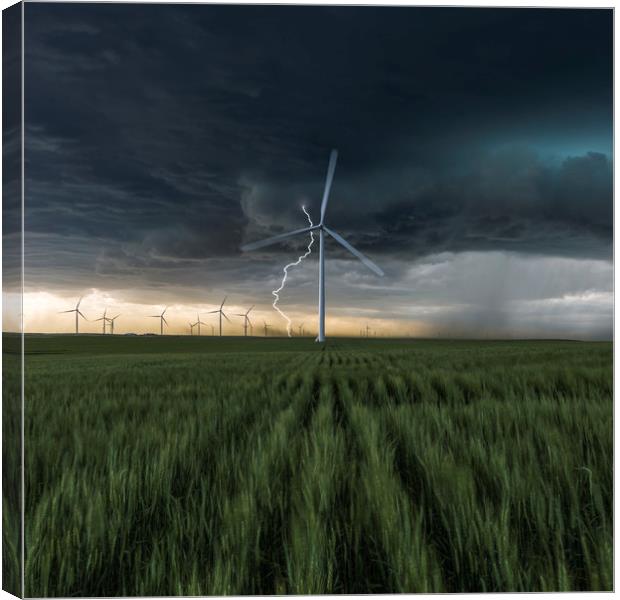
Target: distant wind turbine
[162, 320]
[104, 319]
[191, 327]
[222, 314]
[199, 322]
[78, 314]
[301, 330]
[246, 320]
[322, 229]
[111, 322]
[267, 327]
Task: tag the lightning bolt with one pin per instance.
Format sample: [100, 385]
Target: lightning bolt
[276, 293]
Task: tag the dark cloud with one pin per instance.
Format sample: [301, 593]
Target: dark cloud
[159, 138]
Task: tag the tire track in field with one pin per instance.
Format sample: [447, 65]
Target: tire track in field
[414, 479]
[360, 559]
[399, 558]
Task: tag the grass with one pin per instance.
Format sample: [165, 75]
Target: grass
[194, 466]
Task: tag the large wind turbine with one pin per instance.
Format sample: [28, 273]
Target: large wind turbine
[222, 313]
[104, 319]
[78, 313]
[246, 320]
[162, 320]
[322, 229]
[267, 327]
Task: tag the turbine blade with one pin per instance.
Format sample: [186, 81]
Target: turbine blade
[101, 319]
[81, 315]
[333, 157]
[66, 311]
[116, 317]
[275, 239]
[224, 315]
[78, 304]
[371, 265]
[212, 311]
[165, 309]
[253, 305]
[222, 304]
[164, 320]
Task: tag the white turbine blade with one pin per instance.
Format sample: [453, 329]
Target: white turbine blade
[371, 265]
[275, 239]
[164, 320]
[333, 157]
[81, 315]
[116, 317]
[165, 309]
[222, 304]
[79, 301]
[155, 316]
[66, 311]
[247, 313]
[210, 312]
[224, 315]
[101, 319]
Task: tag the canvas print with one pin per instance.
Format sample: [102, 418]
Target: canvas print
[306, 299]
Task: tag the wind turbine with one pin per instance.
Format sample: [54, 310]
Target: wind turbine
[322, 229]
[104, 319]
[246, 320]
[191, 327]
[111, 322]
[78, 313]
[212, 331]
[198, 322]
[267, 326]
[162, 320]
[301, 330]
[219, 310]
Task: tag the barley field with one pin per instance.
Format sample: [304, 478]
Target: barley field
[206, 466]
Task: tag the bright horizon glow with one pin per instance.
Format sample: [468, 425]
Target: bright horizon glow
[42, 315]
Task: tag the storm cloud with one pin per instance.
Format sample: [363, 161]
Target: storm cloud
[160, 138]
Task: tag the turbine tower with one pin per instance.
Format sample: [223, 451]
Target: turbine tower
[322, 229]
[246, 320]
[78, 313]
[267, 327]
[104, 319]
[222, 314]
[191, 327]
[111, 322]
[162, 320]
[301, 330]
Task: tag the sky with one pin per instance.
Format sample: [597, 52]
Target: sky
[475, 166]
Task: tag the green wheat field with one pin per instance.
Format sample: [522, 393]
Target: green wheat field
[205, 466]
